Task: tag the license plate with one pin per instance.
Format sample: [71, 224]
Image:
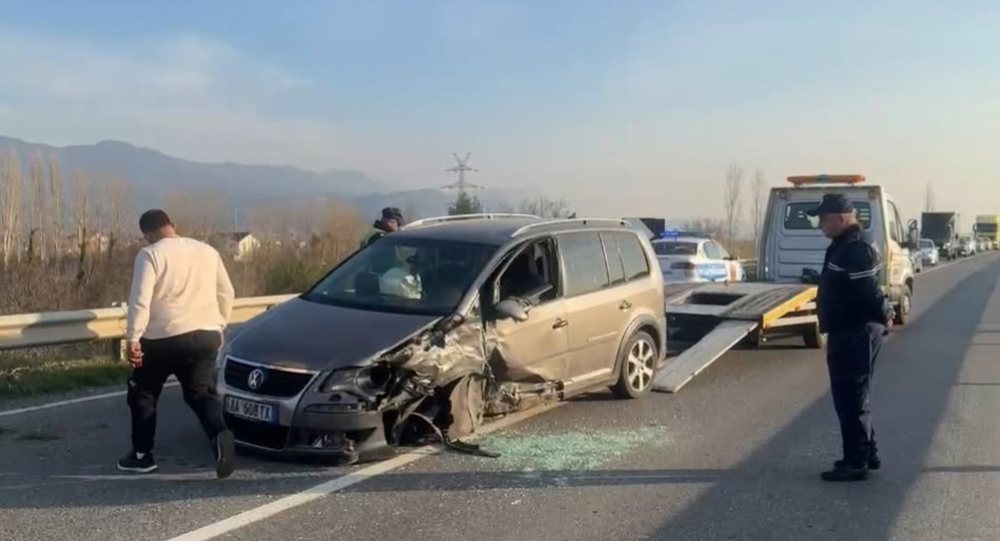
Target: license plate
[248, 409]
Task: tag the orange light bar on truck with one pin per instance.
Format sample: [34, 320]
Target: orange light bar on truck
[826, 179]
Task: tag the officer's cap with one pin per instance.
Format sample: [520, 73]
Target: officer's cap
[833, 203]
[392, 213]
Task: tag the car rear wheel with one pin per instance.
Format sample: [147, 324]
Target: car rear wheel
[637, 366]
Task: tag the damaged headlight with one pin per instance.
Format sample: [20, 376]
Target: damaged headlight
[369, 380]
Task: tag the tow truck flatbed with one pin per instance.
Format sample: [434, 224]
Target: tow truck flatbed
[733, 312]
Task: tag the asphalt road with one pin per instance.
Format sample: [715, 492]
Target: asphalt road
[734, 456]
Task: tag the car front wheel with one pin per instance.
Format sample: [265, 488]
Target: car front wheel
[637, 366]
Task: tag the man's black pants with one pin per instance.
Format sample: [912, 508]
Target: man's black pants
[850, 357]
[191, 358]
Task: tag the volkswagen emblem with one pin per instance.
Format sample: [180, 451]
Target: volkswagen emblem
[255, 379]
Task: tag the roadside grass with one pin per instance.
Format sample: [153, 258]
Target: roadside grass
[21, 377]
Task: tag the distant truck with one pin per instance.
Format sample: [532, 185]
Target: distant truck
[943, 229]
[988, 226]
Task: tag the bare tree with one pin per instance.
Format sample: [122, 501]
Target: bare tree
[732, 198]
[56, 214]
[545, 207]
[83, 219]
[10, 208]
[759, 187]
[115, 203]
[197, 215]
[36, 210]
[929, 198]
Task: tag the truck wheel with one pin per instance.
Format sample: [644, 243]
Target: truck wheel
[902, 310]
[813, 338]
[637, 366]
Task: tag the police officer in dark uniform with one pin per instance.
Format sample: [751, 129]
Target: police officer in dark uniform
[856, 314]
[391, 221]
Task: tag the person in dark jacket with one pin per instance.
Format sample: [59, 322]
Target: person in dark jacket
[390, 222]
[856, 314]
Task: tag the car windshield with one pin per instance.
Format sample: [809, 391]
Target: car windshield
[926, 243]
[675, 248]
[405, 275]
[797, 215]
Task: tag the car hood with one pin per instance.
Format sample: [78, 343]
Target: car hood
[314, 336]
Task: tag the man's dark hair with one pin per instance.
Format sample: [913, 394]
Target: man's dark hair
[152, 220]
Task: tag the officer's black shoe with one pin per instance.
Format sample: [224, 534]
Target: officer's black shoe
[874, 463]
[844, 473]
[134, 463]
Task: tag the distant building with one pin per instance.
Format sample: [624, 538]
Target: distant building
[239, 245]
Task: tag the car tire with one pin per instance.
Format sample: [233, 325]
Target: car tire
[903, 310]
[637, 365]
[813, 338]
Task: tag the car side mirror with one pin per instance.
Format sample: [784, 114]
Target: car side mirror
[511, 309]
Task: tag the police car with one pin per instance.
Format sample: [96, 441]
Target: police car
[694, 258]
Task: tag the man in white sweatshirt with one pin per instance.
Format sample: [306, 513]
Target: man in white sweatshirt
[180, 302]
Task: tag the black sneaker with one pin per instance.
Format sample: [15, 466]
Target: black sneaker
[132, 463]
[874, 463]
[844, 473]
[225, 454]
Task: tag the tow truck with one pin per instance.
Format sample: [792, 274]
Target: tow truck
[781, 302]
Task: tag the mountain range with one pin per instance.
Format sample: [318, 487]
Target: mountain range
[153, 175]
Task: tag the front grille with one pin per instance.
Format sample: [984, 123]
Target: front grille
[259, 434]
[276, 382]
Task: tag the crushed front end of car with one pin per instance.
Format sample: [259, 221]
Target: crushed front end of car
[435, 386]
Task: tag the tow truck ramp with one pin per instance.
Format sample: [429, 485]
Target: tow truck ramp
[734, 312]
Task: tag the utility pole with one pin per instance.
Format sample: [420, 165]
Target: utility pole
[462, 167]
[464, 203]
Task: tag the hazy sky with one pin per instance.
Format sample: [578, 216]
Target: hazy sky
[622, 107]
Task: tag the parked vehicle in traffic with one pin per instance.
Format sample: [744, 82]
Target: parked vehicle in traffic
[695, 259]
[441, 324]
[983, 244]
[943, 229]
[929, 252]
[792, 246]
[988, 227]
[966, 247]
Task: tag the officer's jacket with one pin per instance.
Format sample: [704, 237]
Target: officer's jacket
[850, 292]
[375, 233]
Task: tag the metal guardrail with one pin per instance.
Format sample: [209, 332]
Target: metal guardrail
[54, 328]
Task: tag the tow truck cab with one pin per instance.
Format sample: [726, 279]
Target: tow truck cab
[792, 246]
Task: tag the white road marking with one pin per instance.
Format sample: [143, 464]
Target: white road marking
[61, 403]
[311, 494]
[122, 393]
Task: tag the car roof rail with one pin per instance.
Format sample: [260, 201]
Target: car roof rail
[468, 217]
[565, 221]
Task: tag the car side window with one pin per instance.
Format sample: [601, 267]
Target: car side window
[532, 275]
[615, 266]
[633, 256]
[586, 270]
[712, 251]
[722, 251]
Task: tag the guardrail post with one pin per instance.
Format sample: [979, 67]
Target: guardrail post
[119, 346]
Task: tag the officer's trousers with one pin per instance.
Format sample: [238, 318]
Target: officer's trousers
[850, 357]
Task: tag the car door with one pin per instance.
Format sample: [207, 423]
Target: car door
[897, 261]
[592, 307]
[536, 349]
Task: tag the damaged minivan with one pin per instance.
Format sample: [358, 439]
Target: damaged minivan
[430, 330]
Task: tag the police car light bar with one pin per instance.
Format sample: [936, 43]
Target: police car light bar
[826, 179]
